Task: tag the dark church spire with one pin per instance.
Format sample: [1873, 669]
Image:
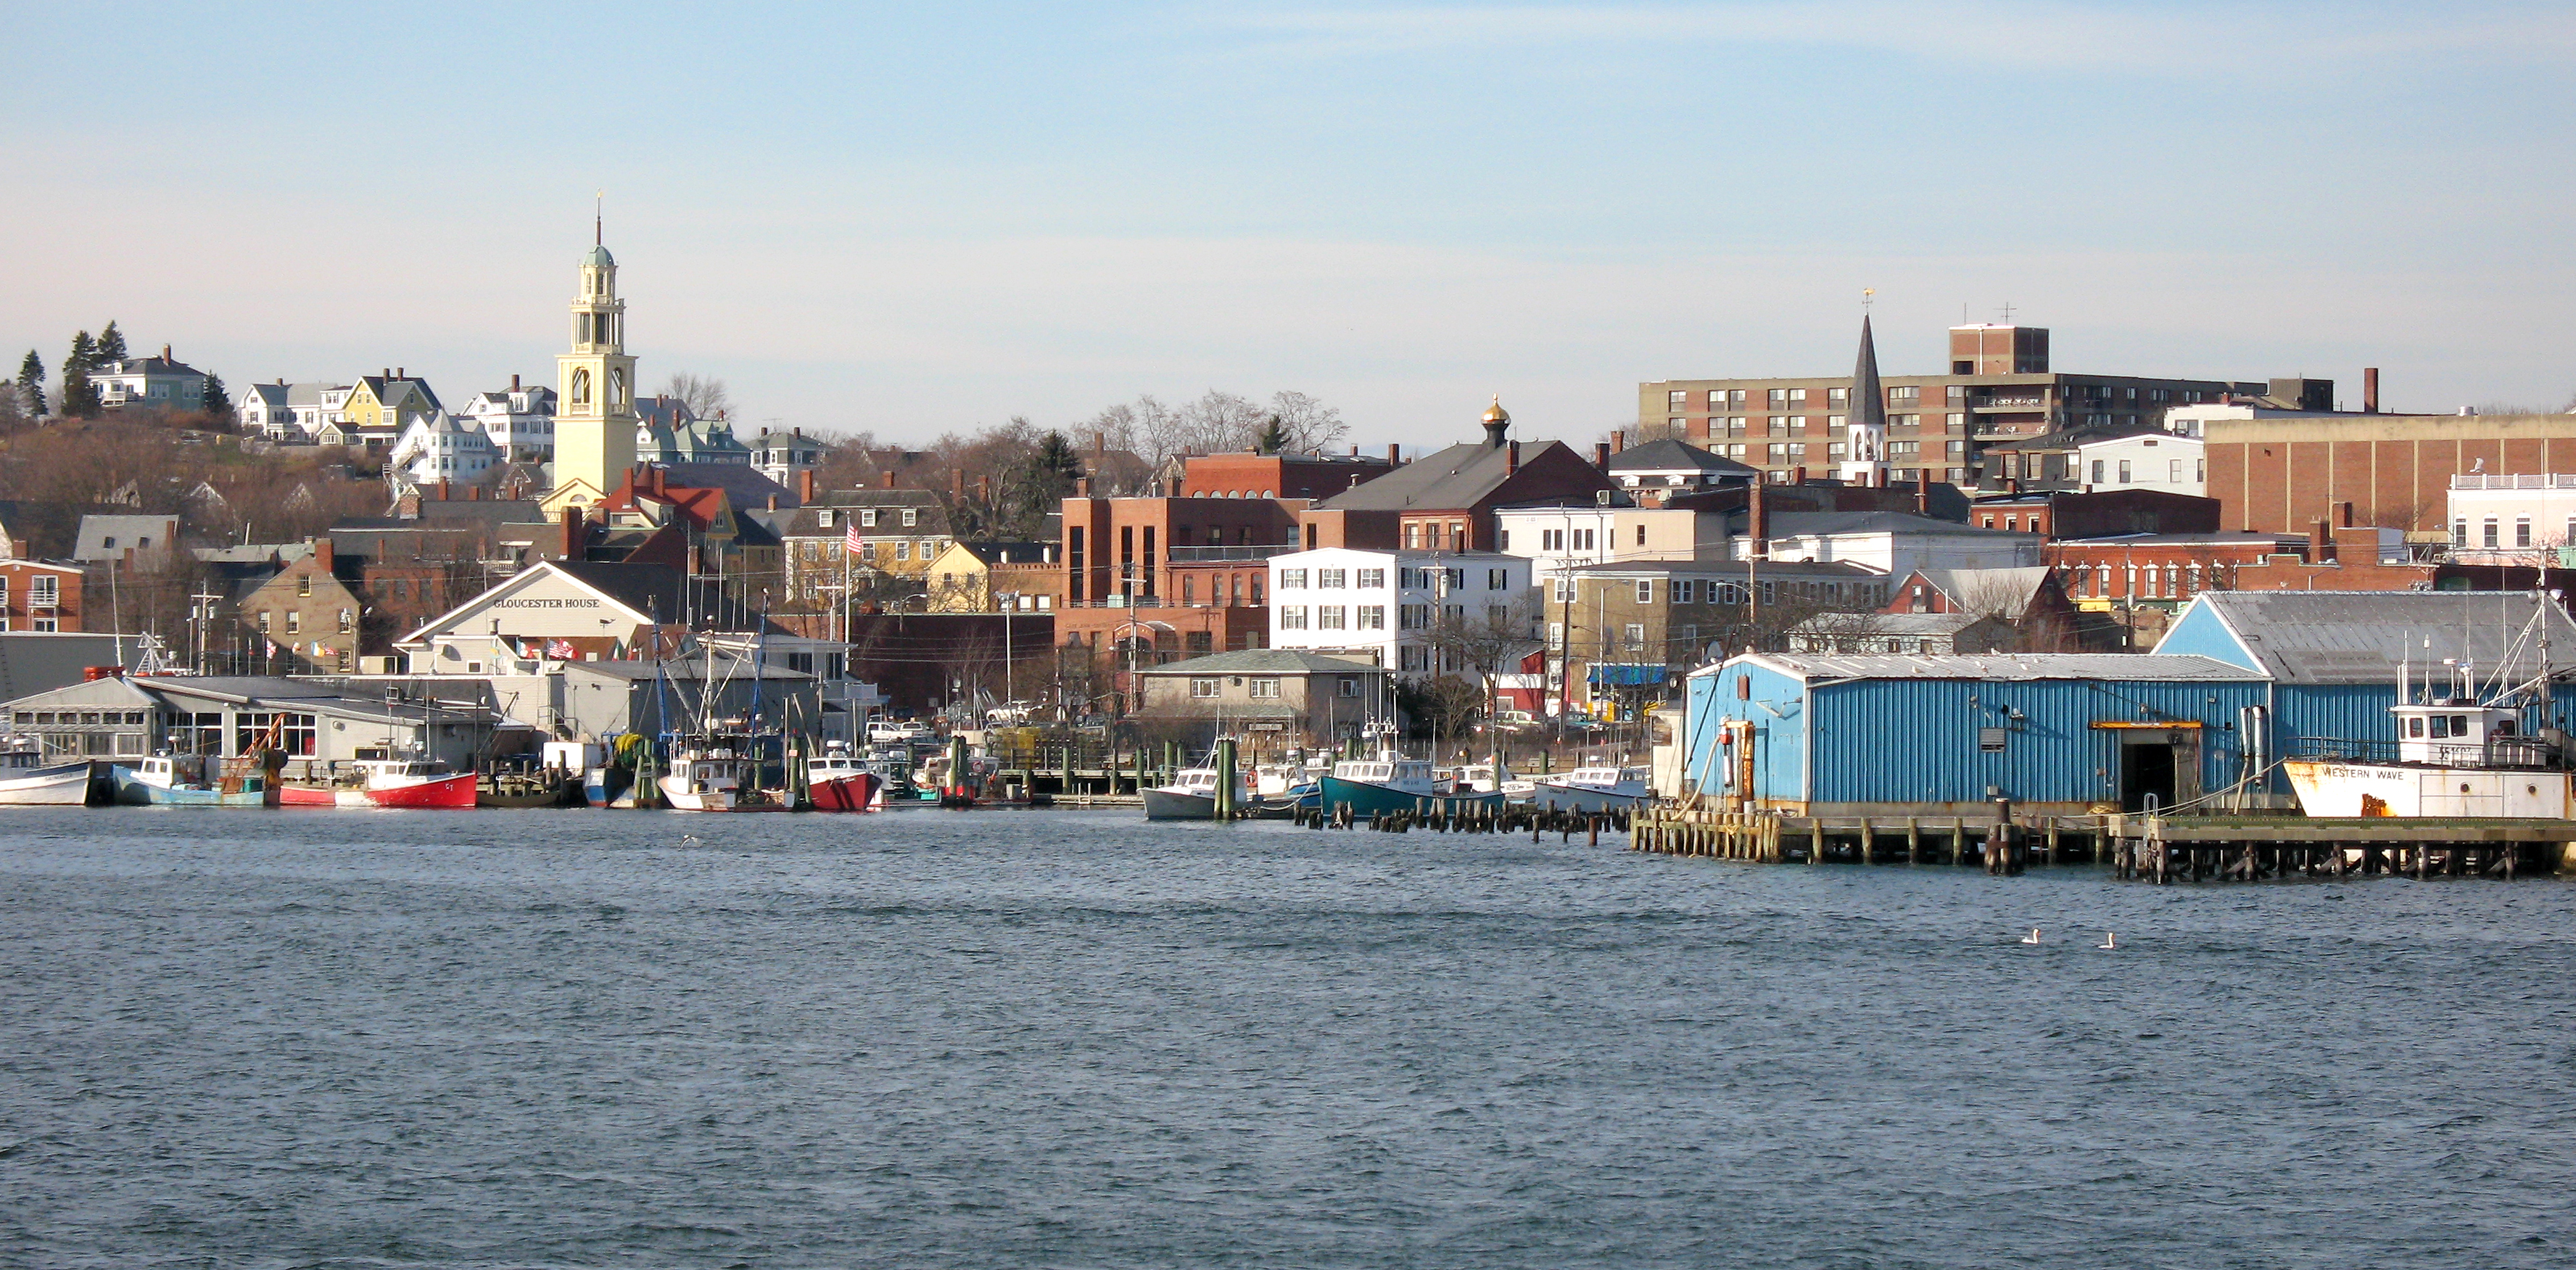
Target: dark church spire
[1868, 402]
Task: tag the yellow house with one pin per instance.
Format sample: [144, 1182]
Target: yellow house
[970, 577]
[389, 400]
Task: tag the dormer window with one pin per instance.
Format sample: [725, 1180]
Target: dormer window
[824, 517]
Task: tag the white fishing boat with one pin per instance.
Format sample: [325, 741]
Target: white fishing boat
[26, 780]
[1388, 784]
[1479, 778]
[705, 780]
[1190, 796]
[2456, 755]
[1586, 790]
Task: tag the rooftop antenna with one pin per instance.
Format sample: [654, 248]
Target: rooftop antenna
[598, 218]
[2008, 311]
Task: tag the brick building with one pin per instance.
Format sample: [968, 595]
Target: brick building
[1445, 501]
[1308, 476]
[35, 596]
[2284, 473]
[2103, 514]
[1999, 388]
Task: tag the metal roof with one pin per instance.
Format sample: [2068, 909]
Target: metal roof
[1265, 661]
[2111, 667]
[2327, 637]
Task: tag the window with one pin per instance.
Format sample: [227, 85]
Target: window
[1413, 617]
[2460, 532]
[1499, 579]
[1206, 687]
[1560, 590]
[911, 517]
[1292, 579]
[294, 622]
[1348, 686]
[1904, 395]
[1333, 578]
[2490, 532]
[867, 517]
[43, 591]
[824, 518]
[903, 549]
[1678, 399]
[2097, 471]
[1292, 617]
[1645, 591]
[1641, 538]
[1778, 397]
[1838, 396]
[2124, 471]
[2522, 531]
[1797, 396]
[304, 585]
[1685, 591]
[1637, 636]
[1372, 579]
[346, 620]
[1328, 617]
[1372, 617]
[1265, 687]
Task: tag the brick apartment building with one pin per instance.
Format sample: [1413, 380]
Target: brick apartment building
[1308, 476]
[1999, 389]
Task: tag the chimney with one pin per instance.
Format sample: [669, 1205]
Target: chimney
[1601, 454]
[165, 352]
[1100, 443]
[2343, 515]
[514, 383]
[2320, 543]
[2012, 485]
[1355, 450]
[402, 372]
[1082, 487]
[322, 554]
[984, 488]
[805, 486]
[281, 381]
[1512, 458]
[773, 501]
[2370, 390]
[1797, 476]
[957, 482]
[1923, 496]
[442, 489]
[473, 493]
[1618, 440]
[889, 478]
[572, 533]
[1395, 456]
[385, 372]
[1757, 521]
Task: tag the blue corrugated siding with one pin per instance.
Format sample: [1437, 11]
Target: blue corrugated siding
[2312, 712]
[2198, 630]
[1916, 740]
[1779, 733]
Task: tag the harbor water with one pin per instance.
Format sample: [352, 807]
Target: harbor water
[1044, 1039]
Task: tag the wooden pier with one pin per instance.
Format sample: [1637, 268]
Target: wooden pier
[2158, 849]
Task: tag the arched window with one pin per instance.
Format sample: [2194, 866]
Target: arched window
[581, 388]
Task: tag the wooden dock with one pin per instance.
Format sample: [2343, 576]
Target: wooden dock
[2159, 849]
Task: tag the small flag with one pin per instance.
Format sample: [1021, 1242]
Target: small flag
[559, 649]
[851, 542]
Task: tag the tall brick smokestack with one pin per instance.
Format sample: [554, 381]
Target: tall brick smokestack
[2370, 390]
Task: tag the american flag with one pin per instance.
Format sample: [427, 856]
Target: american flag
[851, 542]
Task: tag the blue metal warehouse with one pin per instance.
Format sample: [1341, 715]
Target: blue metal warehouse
[2243, 679]
[1945, 735]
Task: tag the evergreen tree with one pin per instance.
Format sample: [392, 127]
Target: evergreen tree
[219, 404]
[1274, 437]
[31, 384]
[111, 346]
[80, 400]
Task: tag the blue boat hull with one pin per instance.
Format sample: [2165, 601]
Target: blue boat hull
[133, 792]
[1368, 799]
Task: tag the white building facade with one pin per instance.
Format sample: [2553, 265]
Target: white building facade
[152, 383]
[2171, 463]
[316, 406]
[518, 422]
[2512, 519]
[437, 448]
[1382, 606]
[1891, 543]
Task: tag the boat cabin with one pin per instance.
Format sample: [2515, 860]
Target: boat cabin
[1380, 771]
[2457, 733]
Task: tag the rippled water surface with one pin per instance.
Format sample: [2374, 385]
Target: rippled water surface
[1002, 1039]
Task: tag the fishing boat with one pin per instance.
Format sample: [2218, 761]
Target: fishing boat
[165, 780]
[1190, 796]
[2456, 754]
[1479, 777]
[709, 779]
[837, 780]
[1587, 790]
[1388, 784]
[26, 780]
[407, 784]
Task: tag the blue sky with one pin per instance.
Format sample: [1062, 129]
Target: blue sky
[913, 219]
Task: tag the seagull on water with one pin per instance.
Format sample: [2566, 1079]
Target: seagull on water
[692, 840]
[2110, 942]
[2032, 937]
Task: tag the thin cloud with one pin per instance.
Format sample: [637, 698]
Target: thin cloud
[2048, 35]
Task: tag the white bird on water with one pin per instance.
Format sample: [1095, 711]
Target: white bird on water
[692, 840]
[2110, 942]
[2032, 937]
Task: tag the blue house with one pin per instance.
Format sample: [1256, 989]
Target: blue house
[1946, 735]
[2331, 659]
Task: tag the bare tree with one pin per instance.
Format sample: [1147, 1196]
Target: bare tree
[705, 395]
[1308, 425]
[1842, 631]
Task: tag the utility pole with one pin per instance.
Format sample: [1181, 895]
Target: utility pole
[200, 612]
